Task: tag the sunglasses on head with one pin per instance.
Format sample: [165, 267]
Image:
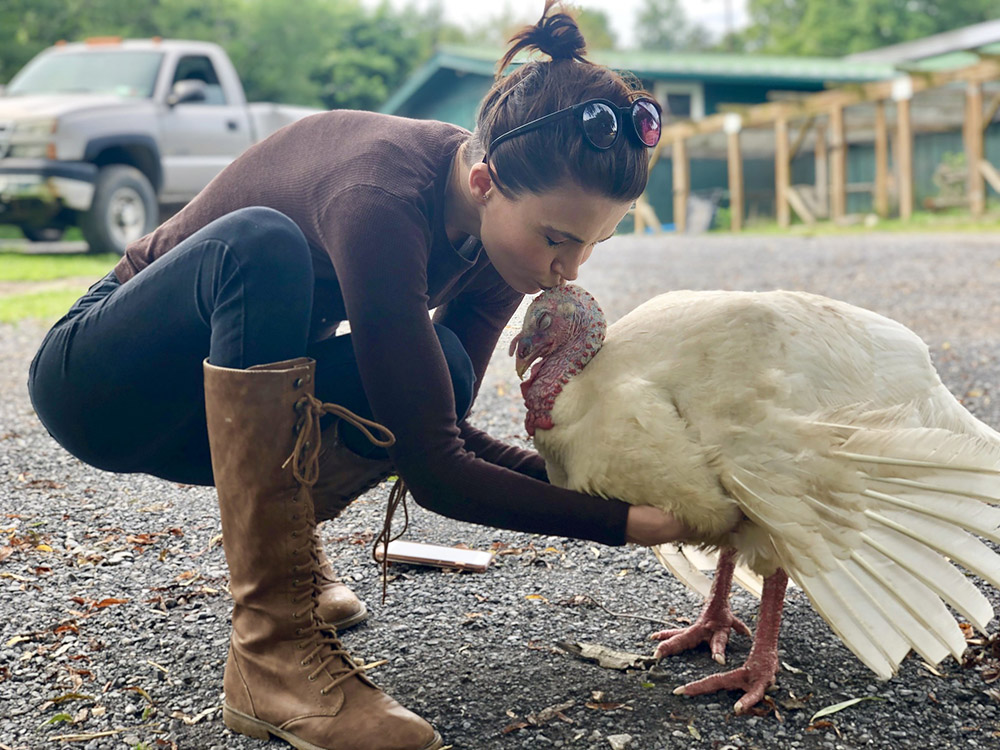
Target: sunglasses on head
[601, 122]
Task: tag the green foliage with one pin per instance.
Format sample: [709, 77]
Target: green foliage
[38, 267]
[48, 305]
[663, 25]
[334, 53]
[821, 27]
[595, 25]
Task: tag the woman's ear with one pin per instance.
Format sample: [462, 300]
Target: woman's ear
[480, 182]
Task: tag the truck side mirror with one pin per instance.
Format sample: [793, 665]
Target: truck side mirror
[188, 90]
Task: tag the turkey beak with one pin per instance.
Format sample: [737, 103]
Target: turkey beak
[521, 349]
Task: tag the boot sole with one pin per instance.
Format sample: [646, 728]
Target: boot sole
[350, 622]
[240, 723]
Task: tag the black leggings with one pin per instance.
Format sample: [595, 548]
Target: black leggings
[118, 380]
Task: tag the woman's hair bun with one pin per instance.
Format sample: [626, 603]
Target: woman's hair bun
[556, 35]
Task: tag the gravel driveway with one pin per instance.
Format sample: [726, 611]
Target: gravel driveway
[114, 610]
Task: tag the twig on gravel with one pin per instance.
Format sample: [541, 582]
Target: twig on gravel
[657, 620]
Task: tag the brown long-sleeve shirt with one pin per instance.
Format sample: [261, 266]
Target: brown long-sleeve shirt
[368, 192]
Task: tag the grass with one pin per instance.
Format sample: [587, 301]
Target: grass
[48, 305]
[48, 267]
[10, 232]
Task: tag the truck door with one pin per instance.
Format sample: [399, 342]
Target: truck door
[199, 138]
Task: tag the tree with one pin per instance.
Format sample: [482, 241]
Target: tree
[308, 52]
[824, 28]
[595, 25]
[663, 25]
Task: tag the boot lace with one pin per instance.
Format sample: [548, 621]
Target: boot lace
[333, 660]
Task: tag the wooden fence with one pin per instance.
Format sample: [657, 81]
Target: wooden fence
[823, 114]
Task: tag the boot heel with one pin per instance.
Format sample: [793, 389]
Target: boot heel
[243, 724]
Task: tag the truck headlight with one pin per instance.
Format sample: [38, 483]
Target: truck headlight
[34, 130]
[33, 139]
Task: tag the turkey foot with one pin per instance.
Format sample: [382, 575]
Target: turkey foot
[713, 624]
[753, 678]
[758, 672]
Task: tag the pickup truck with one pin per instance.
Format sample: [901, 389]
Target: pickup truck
[110, 134]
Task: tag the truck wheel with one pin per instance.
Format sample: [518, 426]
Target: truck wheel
[43, 234]
[124, 209]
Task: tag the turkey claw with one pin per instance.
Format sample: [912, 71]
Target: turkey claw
[711, 628]
[752, 681]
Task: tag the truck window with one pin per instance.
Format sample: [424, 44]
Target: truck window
[122, 72]
[200, 68]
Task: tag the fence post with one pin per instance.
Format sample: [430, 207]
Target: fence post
[734, 156]
[902, 93]
[974, 150]
[782, 172]
[881, 197]
[682, 184]
[838, 164]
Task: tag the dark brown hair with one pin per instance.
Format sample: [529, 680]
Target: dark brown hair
[555, 154]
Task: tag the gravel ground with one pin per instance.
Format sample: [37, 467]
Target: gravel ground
[113, 591]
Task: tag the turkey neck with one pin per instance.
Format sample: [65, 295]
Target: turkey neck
[554, 371]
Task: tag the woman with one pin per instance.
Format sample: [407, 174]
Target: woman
[197, 359]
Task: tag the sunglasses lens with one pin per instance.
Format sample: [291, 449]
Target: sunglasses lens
[646, 118]
[600, 124]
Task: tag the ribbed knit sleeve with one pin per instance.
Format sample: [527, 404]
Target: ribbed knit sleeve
[379, 246]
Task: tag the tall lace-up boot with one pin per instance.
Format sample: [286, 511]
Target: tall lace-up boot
[344, 476]
[287, 674]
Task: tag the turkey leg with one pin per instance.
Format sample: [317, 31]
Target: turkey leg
[715, 621]
[758, 672]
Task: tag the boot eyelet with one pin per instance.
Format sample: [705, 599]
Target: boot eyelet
[298, 631]
[311, 678]
[300, 405]
[295, 581]
[324, 691]
[297, 383]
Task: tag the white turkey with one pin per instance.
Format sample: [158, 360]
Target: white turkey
[800, 435]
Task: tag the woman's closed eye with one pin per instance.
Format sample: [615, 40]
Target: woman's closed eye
[552, 242]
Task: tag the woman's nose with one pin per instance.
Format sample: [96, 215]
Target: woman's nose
[567, 265]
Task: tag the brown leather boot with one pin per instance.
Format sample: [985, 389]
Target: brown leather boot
[287, 674]
[344, 476]
[337, 605]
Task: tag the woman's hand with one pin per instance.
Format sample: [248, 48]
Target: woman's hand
[647, 526]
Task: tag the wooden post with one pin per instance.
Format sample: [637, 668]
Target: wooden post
[782, 172]
[838, 164]
[732, 126]
[902, 92]
[822, 171]
[682, 184]
[881, 196]
[974, 147]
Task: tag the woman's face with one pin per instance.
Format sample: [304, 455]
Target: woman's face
[540, 241]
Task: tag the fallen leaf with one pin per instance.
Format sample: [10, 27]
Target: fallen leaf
[109, 602]
[842, 705]
[191, 720]
[606, 657]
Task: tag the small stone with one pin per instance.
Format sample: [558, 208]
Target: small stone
[619, 741]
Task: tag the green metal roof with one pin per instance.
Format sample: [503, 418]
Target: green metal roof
[952, 60]
[667, 65]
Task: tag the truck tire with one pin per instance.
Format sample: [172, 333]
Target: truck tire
[43, 234]
[123, 210]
